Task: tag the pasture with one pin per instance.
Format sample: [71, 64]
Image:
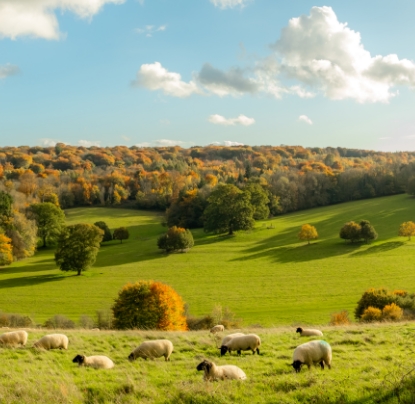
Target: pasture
[265, 276]
[371, 364]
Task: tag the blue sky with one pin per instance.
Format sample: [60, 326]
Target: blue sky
[197, 72]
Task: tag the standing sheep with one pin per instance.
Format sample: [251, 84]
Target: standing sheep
[214, 372]
[14, 338]
[242, 343]
[152, 349]
[217, 328]
[317, 351]
[97, 361]
[52, 341]
[309, 332]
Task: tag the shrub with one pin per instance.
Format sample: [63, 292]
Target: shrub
[225, 317]
[341, 318]
[59, 321]
[107, 232]
[15, 320]
[200, 323]
[86, 322]
[392, 312]
[176, 239]
[104, 319]
[377, 298]
[371, 314]
[149, 305]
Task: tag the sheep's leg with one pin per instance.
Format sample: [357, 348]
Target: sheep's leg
[239, 352]
[322, 365]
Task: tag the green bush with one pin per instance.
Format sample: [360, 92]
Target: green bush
[176, 239]
[15, 320]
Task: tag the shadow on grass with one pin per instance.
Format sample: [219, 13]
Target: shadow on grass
[376, 249]
[30, 280]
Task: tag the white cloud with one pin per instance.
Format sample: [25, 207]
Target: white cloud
[164, 143]
[126, 138]
[149, 30]
[306, 119]
[155, 77]
[37, 18]
[229, 3]
[240, 120]
[48, 142]
[88, 143]
[8, 70]
[227, 143]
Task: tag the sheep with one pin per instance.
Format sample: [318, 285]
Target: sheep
[52, 341]
[94, 329]
[14, 338]
[97, 361]
[227, 338]
[214, 372]
[152, 349]
[217, 328]
[242, 343]
[317, 351]
[309, 332]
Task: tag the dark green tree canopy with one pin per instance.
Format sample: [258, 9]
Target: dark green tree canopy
[121, 234]
[358, 231]
[50, 220]
[367, 231]
[229, 209]
[107, 232]
[176, 239]
[259, 200]
[78, 246]
[6, 202]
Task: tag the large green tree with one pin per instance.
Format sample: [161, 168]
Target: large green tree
[50, 220]
[107, 232]
[367, 231]
[229, 209]
[259, 200]
[176, 239]
[78, 246]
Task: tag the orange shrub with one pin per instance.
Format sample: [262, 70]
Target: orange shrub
[399, 292]
[371, 314]
[341, 318]
[392, 312]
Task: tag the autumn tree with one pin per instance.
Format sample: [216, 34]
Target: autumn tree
[78, 246]
[50, 220]
[149, 305]
[176, 239]
[351, 231]
[121, 234]
[107, 232]
[6, 250]
[229, 209]
[308, 233]
[407, 229]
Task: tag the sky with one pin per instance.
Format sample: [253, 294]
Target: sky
[199, 72]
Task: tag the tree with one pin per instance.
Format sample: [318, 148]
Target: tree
[149, 305]
[259, 200]
[6, 202]
[351, 231]
[107, 232]
[121, 234]
[6, 256]
[367, 231]
[50, 220]
[407, 229]
[229, 209]
[308, 233]
[78, 246]
[176, 239]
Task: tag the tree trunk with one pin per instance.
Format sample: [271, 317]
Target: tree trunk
[79, 272]
[44, 242]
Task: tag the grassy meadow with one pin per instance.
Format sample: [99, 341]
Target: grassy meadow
[371, 364]
[265, 276]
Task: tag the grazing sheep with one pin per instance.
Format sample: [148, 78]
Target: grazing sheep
[14, 338]
[309, 332]
[97, 361]
[242, 343]
[214, 372]
[52, 341]
[317, 351]
[217, 328]
[227, 338]
[153, 349]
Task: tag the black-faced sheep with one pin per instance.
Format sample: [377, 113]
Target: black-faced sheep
[224, 372]
[242, 343]
[14, 338]
[96, 361]
[309, 332]
[153, 349]
[52, 341]
[317, 351]
[217, 328]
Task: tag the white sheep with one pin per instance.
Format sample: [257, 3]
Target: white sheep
[317, 351]
[224, 372]
[52, 341]
[309, 332]
[97, 361]
[217, 328]
[242, 343]
[14, 338]
[153, 349]
[227, 338]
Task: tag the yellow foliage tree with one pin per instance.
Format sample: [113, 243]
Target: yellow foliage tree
[308, 233]
[407, 229]
[6, 250]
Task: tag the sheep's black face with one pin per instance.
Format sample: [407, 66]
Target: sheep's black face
[131, 357]
[299, 329]
[203, 365]
[297, 366]
[223, 350]
[78, 359]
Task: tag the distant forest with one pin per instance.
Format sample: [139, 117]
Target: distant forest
[173, 178]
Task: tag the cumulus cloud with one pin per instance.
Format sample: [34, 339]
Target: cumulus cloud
[240, 120]
[155, 77]
[306, 119]
[48, 142]
[229, 3]
[149, 30]
[227, 143]
[8, 70]
[88, 143]
[37, 18]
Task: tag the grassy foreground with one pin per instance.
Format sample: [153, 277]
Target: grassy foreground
[371, 364]
[266, 276]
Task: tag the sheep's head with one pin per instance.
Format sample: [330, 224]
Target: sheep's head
[79, 359]
[131, 357]
[205, 365]
[300, 330]
[223, 350]
[297, 366]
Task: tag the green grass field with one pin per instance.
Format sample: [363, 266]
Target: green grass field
[265, 276]
[371, 364]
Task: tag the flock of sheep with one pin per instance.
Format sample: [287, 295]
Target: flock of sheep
[312, 352]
